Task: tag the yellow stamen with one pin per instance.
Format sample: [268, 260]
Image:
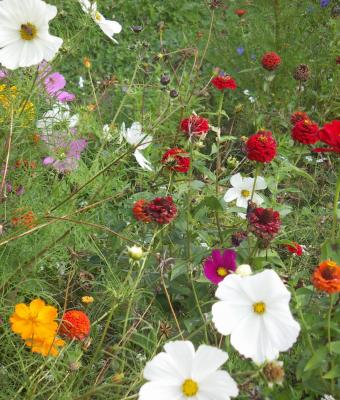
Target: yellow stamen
[222, 271]
[28, 31]
[259, 308]
[189, 388]
[245, 193]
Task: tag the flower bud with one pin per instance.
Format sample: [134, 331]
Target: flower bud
[243, 270]
[135, 252]
[173, 93]
[87, 62]
[274, 373]
[165, 80]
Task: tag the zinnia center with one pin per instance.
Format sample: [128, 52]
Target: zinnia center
[259, 308]
[328, 273]
[190, 388]
[28, 31]
[222, 271]
[245, 193]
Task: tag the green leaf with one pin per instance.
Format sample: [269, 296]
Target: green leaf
[333, 373]
[335, 347]
[212, 202]
[317, 359]
[330, 250]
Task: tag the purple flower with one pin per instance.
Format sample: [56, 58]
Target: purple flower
[240, 50]
[324, 3]
[3, 74]
[220, 264]
[54, 83]
[65, 151]
[64, 96]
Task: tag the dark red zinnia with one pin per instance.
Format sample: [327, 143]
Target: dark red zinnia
[161, 210]
[295, 249]
[298, 116]
[330, 134]
[261, 147]
[176, 160]
[222, 82]
[305, 132]
[271, 60]
[195, 125]
[240, 12]
[264, 223]
[139, 211]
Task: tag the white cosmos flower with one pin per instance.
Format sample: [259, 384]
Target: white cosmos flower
[59, 115]
[135, 137]
[254, 310]
[24, 36]
[110, 28]
[242, 188]
[180, 373]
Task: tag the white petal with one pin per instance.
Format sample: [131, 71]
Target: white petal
[182, 352]
[227, 316]
[110, 27]
[257, 199]
[159, 391]
[260, 183]
[236, 180]
[142, 161]
[207, 360]
[219, 386]
[231, 195]
[162, 368]
[242, 201]
[248, 184]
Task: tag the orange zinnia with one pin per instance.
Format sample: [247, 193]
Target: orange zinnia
[36, 320]
[326, 277]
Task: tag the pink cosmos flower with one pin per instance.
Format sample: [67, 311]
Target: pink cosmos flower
[220, 264]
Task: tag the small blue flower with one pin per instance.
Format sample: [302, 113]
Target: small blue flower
[240, 50]
[324, 3]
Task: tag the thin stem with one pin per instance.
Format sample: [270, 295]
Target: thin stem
[329, 336]
[95, 95]
[277, 23]
[335, 208]
[9, 145]
[257, 170]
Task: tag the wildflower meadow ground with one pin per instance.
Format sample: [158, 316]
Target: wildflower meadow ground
[169, 200]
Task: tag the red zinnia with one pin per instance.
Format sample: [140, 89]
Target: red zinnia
[161, 210]
[298, 116]
[240, 12]
[75, 325]
[265, 223]
[195, 125]
[139, 211]
[327, 277]
[305, 132]
[295, 249]
[222, 82]
[330, 134]
[261, 147]
[271, 60]
[176, 160]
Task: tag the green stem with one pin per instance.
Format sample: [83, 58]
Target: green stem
[335, 207]
[329, 336]
[277, 23]
[257, 170]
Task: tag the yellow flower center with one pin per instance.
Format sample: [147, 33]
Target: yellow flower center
[28, 31]
[245, 193]
[190, 388]
[98, 16]
[222, 271]
[259, 308]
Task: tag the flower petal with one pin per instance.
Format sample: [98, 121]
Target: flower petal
[219, 386]
[160, 391]
[236, 181]
[207, 360]
[231, 195]
[260, 183]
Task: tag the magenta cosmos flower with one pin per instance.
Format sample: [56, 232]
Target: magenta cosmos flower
[220, 264]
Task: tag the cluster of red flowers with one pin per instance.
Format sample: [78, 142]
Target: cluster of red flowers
[326, 277]
[330, 135]
[223, 81]
[161, 210]
[295, 249]
[195, 125]
[75, 325]
[264, 223]
[176, 160]
[305, 131]
[270, 60]
[261, 147]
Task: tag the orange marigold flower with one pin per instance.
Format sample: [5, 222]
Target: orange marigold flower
[36, 320]
[139, 211]
[46, 346]
[75, 325]
[326, 277]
